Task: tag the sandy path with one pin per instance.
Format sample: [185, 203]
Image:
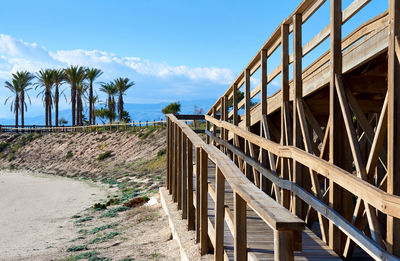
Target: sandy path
[35, 213]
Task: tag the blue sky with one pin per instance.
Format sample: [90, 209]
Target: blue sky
[173, 50]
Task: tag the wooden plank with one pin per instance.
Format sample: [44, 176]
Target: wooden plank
[179, 167]
[219, 216]
[235, 105]
[264, 94]
[393, 180]
[240, 228]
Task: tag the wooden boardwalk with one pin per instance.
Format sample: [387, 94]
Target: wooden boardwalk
[260, 236]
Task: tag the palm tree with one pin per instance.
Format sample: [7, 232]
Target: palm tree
[45, 80]
[92, 74]
[111, 90]
[24, 78]
[58, 79]
[14, 87]
[74, 75]
[122, 85]
[81, 89]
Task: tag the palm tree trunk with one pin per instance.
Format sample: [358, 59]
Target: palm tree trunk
[120, 106]
[47, 110]
[56, 97]
[22, 109]
[16, 104]
[73, 102]
[90, 103]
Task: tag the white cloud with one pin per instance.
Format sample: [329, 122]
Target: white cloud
[155, 81]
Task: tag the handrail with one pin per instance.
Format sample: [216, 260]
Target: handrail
[381, 200]
[367, 244]
[271, 212]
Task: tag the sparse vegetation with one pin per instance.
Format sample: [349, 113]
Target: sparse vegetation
[105, 155]
[101, 228]
[69, 155]
[77, 248]
[114, 212]
[85, 219]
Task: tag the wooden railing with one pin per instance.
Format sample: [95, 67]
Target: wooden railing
[314, 163]
[182, 142]
[85, 128]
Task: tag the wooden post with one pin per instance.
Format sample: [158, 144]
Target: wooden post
[198, 171]
[336, 129]
[247, 169]
[265, 184]
[214, 114]
[174, 161]
[235, 105]
[168, 178]
[184, 175]
[207, 128]
[190, 206]
[179, 167]
[154, 124]
[283, 245]
[285, 124]
[140, 124]
[298, 93]
[240, 240]
[219, 216]
[147, 123]
[393, 179]
[203, 202]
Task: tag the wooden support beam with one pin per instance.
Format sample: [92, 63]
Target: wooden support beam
[190, 206]
[335, 146]
[393, 180]
[285, 124]
[219, 216]
[198, 196]
[179, 168]
[283, 245]
[247, 98]
[240, 240]
[184, 176]
[298, 206]
[235, 105]
[203, 202]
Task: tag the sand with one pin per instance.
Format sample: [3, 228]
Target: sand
[36, 210]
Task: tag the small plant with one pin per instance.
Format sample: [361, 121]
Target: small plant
[76, 216]
[154, 255]
[3, 146]
[69, 155]
[109, 236]
[104, 155]
[86, 255]
[77, 248]
[114, 212]
[99, 206]
[85, 219]
[98, 229]
[161, 152]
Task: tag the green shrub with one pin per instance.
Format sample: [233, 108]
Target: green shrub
[77, 248]
[104, 155]
[114, 212]
[85, 219]
[110, 235]
[161, 152]
[98, 229]
[3, 146]
[68, 155]
[86, 255]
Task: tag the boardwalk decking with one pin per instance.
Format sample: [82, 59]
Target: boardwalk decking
[260, 236]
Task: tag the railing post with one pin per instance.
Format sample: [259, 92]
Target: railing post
[147, 124]
[154, 124]
[179, 167]
[140, 124]
[203, 202]
[198, 171]
[184, 175]
[219, 216]
[190, 206]
[393, 180]
[240, 240]
[168, 178]
[283, 245]
[174, 161]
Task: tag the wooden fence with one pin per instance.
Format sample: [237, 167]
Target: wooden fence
[182, 142]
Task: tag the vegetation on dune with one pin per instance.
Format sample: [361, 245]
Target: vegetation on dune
[104, 155]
